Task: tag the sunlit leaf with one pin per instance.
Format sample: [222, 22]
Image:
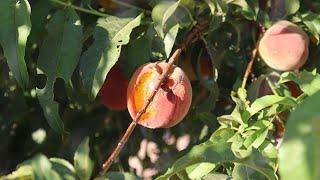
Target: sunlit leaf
[110, 35]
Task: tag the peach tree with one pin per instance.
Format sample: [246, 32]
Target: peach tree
[159, 89]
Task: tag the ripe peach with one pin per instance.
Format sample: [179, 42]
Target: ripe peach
[294, 88]
[265, 88]
[114, 90]
[108, 5]
[170, 104]
[206, 68]
[284, 46]
[186, 66]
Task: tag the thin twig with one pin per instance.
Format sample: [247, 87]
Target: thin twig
[253, 56]
[175, 56]
[95, 12]
[249, 67]
[130, 6]
[88, 11]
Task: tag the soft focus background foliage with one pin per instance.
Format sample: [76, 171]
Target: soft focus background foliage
[55, 55]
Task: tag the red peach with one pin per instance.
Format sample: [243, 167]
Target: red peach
[186, 66]
[206, 68]
[108, 5]
[284, 46]
[265, 88]
[114, 90]
[294, 88]
[170, 104]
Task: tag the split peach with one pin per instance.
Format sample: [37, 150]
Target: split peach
[113, 93]
[170, 104]
[284, 46]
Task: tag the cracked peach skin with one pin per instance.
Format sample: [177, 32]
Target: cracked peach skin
[113, 93]
[284, 46]
[170, 104]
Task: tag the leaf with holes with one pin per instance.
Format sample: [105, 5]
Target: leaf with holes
[58, 57]
[15, 26]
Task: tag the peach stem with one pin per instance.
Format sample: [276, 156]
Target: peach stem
[175, 56]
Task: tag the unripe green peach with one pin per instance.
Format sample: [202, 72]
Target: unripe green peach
[284, 46]
[170, 104]
[113, 93]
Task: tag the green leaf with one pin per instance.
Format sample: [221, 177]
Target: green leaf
[229, 120]
[269, 100]
[260, 164]
[309, 82]
[291, 6]
[241, 172]
[118, 176]
[217, 176]
[64, 168]
[168, 14]
[299, 154]
[257, 138]
[170, 38]
[237, 146]
[217, 7]
[284, 8]
[213, 151]
[161, 14]
[139, 47]
[199, 170]
[40, 11]
[218, 150]
[23, 172]
[15, 26]
[42, 168]
[83, 164]
[58, 57]
[110, 34]
[312, 21]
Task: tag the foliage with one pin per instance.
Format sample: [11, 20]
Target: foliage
[56, 54]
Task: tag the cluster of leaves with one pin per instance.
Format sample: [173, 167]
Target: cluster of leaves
[60, 57]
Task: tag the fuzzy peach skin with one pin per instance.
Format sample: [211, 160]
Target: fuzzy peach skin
[113, 93]
[284, 46]
[170, 104]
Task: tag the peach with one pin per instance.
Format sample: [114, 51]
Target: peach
[294, 89]
[170, 104]
[114, 90]
[108, 5]
[206, 67]
[265, 88]
[186, 66]
[284, 46]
